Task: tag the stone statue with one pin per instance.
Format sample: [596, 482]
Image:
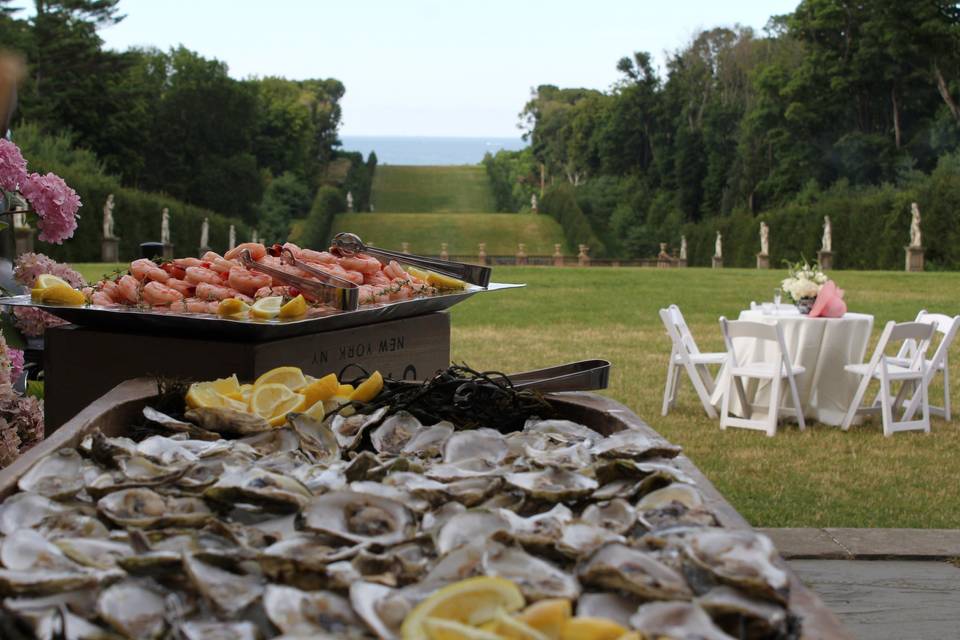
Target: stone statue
[915, 238]
[350, 201]
[718, 247]
[533, 202]
[683, 247]
[826, 243]
[253, 236]
[205, 233]
[764, 239]
[108, 218]
[232, 238]
[165, 226]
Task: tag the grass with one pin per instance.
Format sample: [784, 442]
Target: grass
[94, 271]
[426, 231]
[416, 189]
[819, 478]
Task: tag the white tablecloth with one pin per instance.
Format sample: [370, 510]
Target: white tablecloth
[822, 346]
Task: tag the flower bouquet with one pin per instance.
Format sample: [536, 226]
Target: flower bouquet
[803, 283]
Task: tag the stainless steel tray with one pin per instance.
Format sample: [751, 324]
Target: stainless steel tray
[152, 322]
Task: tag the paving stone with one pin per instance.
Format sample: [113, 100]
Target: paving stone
[806, 543]
[918, 544]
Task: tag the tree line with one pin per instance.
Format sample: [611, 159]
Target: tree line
[175, 122]
[837, 95]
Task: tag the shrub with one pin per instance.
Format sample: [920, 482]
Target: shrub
[314, 232]
[560, 202]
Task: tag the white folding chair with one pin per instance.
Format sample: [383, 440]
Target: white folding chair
[948, 328]
[889, 370]
[779, 371]
[686, 355]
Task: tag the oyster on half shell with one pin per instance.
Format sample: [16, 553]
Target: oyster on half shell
[147, 509]
[359, 518]
[133, 608]
[743, 559]
[308, 613]
[552, 484]
[676, 621]
[58, 475]
[619, 567]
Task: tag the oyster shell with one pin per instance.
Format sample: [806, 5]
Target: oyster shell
[316, 438]
[93, 552]
[685, 494]
[133, 608]
[58, 475]
[742, 559]
[71, 524]
[632, 443]
[537, 579]
[429, 441]
[27, 510]
[563, 432]
[229, 592]
[612, 606]
[580, 539]
[147, 509]
[359, 518]
[541, 531]
[394, 432]
[743, 616]
[307, 613]
[469, 526]
[272, 441]
[574, 456]
[472, 491]
[616, 515]
[179, 426]
[26, 550]
[433, 520]
[349, 429]
[619, 567]
[676, 621]
[380, 607]
[41, 583]
[301, 559]
[167, 451]
[487, 444]
[252, 485]
[227, 421]
[418, 505]
[220, 631]
[552, 484]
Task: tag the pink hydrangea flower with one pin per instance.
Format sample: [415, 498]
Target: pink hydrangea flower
[15, 356]
[32, 322]
[13, 168]
[55, 203]
[29, 266]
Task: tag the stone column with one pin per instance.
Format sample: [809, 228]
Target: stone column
[444, 255]
[482, 253]
[763, 261]
[664, 261]
[168, 250]
[557, 256]
[521, 254]
[718, 262]
[825, 258]
[583, 257]
[110, 250]
[914, 258]
[23, 240]
[405, 247]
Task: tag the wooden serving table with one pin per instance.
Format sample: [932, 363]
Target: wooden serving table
[115, 412]
[81, 364]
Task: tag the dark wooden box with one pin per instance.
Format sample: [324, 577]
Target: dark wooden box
[82, 364]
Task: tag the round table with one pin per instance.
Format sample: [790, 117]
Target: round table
[823, 346]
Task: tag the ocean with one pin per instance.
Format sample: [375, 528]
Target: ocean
[428, 150]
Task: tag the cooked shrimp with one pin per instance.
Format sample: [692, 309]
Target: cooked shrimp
[185, 288]
[394, 270]
[110, 288]
[248, 282]
[88, 292]
[292, 248]
[196, 275]
[160, 295]
[378, 279]
[360, 262]
[129, 289]
[282, 290]
[256, 250]
[318, 257]
[102, 299]
[196, 305]
[146, 269]
[207, 291]
[183, 263]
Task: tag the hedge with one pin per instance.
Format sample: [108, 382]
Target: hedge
[314, 232]
[560, 203]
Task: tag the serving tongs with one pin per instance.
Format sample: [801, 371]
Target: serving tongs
[585, 375]
[349, 244]
[328, 289]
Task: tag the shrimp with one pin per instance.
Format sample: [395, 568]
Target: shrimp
[292, 248]
[183, 263]
[196, 305]
[360, 262]
[247, 282]
[160, 294]
[377, 279]
[256, 250]
[207, 291]
[110, 288]
[317, 257]
[394, 270]
[336, 270]
[146, 269]
[196, 275]
[129, 289]
[281, 290]
[185, 288]
[102, 299]
[87, 292]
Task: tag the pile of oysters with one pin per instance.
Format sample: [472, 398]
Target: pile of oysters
[217, 525]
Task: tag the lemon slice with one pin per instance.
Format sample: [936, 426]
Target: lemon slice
[591, 629]
[444, 282]
[290, 377]
[418, 273]
[233, 308]
[322, 389]
[547, 616]
[336, 402]
[267, 397]
[294, 403]
[59, 294]
[507, 626]
[472, 601]
[267, 308]
[202, 394]
[295, 308]
[47, 280]
[368, 389]
[345, 390]
[439, 629]
[226, 385]
[317, 410]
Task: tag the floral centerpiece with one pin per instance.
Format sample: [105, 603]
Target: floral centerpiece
[803, 283]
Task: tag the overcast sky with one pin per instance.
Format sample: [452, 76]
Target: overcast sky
[431, 67]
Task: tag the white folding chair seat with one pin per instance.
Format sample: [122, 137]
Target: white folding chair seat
[889, 369]
[779, 372]
[686, 356]
[947, 328]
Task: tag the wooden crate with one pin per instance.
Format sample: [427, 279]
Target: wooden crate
[114, 412]
[82, 364]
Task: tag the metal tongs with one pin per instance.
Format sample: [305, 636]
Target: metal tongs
[585, 375]
[328, 289]
[349, 244]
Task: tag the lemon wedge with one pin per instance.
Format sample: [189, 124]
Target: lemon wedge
[226, 385]
[290, 377]
[267, 400]
[472, 601]
[282, 409]
[345, 390]
[418, 273]
[507, 626]
[233, 308]
[58, 294]
[267, 308]
[317, 410]
[439, 629]
[294, 309]
[444, 282]
[368, 389]
[591, 629]
[547, 616]
[322, 389]
[203, 395]
[47, 280]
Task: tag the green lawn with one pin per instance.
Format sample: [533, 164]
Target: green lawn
[415, 189]
[819, 478]
[462, 231]
[94, 271]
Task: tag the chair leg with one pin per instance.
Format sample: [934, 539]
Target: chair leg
[855, 404]
[796, 403]
[925, 392]
[744, 403]
[773, 411]
[697, 383]
[946, 390]
[725, 403]
[886, 408]
[668, 388]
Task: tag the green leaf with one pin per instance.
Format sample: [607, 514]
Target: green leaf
[3, 225]
[35, 389]
[10, 332]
